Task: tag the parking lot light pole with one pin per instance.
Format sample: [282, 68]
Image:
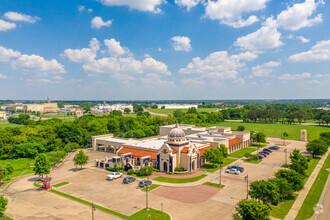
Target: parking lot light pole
[147, 188]
[247, 186]
[93, 209]
[220, 171]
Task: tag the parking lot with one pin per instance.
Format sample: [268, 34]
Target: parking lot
[185, 201]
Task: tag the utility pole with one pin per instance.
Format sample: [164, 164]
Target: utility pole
[147, 189]
[220, 171]
[93, 209]
[247, 186]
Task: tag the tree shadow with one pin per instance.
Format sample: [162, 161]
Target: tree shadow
[33, 179]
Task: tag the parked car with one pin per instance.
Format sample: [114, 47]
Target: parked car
[261, 156]
[270, 151]
[241, 169]
[274, 148]
[233, 171]
[128, 179]
[144, 183]
[114, 175]
[265, 152]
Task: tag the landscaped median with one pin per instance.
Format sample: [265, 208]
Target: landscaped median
[142, 214]
[61, 184]
[179, 180]
[213, 184]
[307, 209]
[152, 186]
[240, 153]
[211, 168]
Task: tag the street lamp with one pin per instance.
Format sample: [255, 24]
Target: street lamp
[246, 178]
[147, 189]
[93, 210]
[220, 171]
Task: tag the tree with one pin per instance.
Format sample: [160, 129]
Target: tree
[240, 128]
[127, 110]
[5, 171]
[284, 189]
[192, 110]
[317, 147]
[295, 180]
[299, 162]
[154, 106]
[265, 191]
[250, 209]
[213, 156]
[3, 204]
[325, 136]
[80, 159]
[42, 165]
[260, 138]
[163, 107]
[223, 150]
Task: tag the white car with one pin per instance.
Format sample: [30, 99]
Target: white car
[114, 175]
[233, 171]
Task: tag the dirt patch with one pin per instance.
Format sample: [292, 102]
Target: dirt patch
[194, 194]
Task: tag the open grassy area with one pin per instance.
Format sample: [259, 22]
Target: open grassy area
[22, 166]
[212, 168]
[154, 214]
[170, 111]
[306, 210]
[61, 184]
[256, 145]
[213, 184]
[153, 186]
[8, 125]
[240, 153]
[282, 209]
[274, 130]
[252, 161]
[179, 180]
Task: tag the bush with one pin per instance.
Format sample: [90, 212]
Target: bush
[130, 172]
[170, 173]
[179, 169]
[111, 169]
[143, 171]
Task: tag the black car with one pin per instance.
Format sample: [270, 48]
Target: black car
[128, 179]
[144, 183]
[268, 150]
[241, 169]
[274, 148]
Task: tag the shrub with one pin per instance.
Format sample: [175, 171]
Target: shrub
[130, 172]
[170, 173]
[143, 171]
[179, 169]
[111, 169]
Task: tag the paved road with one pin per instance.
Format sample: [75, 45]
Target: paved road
[325, 202]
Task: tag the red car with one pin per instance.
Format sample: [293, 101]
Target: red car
[262, 153]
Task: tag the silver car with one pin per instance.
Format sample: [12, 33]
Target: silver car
[233, 171]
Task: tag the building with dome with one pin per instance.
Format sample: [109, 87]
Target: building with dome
[177, 146]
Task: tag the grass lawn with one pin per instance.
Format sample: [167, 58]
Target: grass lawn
[154, 214]
[9, 125]
[21, 166]
[282, 209]
[274, 130]
[306, 210]
[252, 161]
[240, 153]
[213, 184]
[61, 184]
[170, 111]
[212, 168]
[177, 180]
[153, 186]
[256, 145]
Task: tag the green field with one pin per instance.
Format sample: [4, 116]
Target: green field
[307, 209]
[170, 111]
[8, 125]
[274, 130]
[21, 166]
[240, 153]
[179, 180]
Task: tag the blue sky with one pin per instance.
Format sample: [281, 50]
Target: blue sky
[156, 49]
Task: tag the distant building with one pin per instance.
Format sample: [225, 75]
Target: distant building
[43, 107]
[177, 106]
[106, 108]
[3, 116]
[178, 146]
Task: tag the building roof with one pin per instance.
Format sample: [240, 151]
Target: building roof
[184, 150]
[176, 133]
[201, 150]
[234, 141]
[173, 150]
[138, 153]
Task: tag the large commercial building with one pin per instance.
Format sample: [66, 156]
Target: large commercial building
[177, 146]
[106, 108]
[43, 107]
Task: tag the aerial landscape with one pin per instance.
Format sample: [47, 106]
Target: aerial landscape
[165, 109]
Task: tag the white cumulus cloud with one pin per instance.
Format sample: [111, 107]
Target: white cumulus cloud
[7, 54]
[141, 5]
[97, 22]
[181, 43]
[264, 69]
[15, 16]
[85, 54]
[319, 52]
[5, 25]
[217, 65]
[114, 47]
[299, 15]
[267, 37]
[3, 76]
[230, 12]
[187, 3]
[295, 76]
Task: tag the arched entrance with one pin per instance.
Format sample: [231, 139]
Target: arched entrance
[127, 160]
[146, 164]
[165, 166]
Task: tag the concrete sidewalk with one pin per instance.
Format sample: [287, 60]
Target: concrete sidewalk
[303, 193]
